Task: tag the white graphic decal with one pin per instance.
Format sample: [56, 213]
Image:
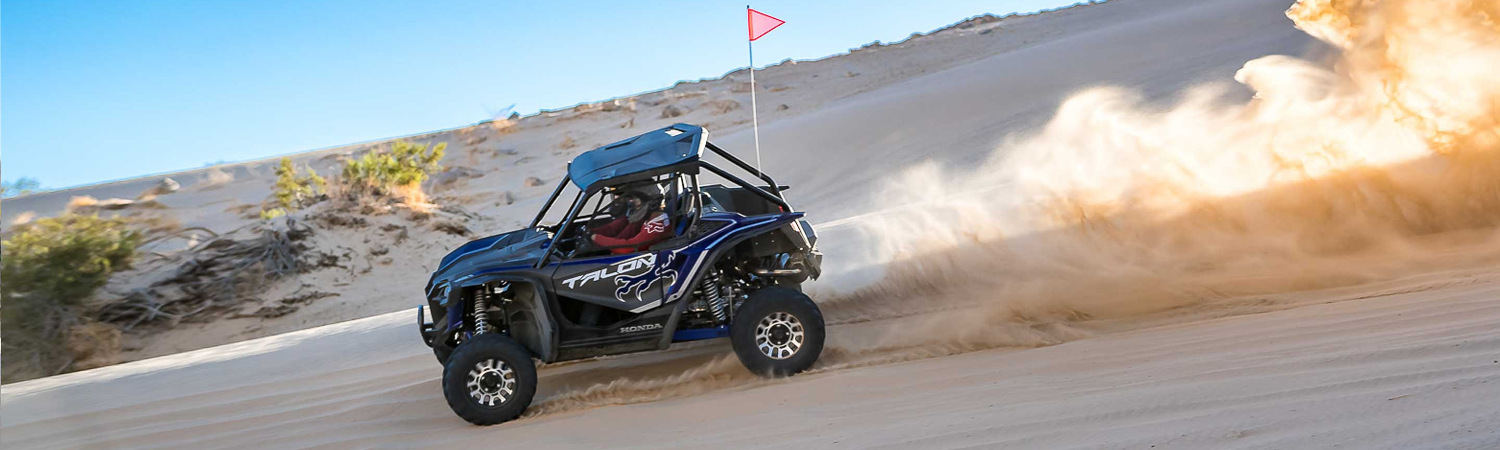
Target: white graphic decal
[635, 285]
[640, 328]
[657, 225]
[622, 267]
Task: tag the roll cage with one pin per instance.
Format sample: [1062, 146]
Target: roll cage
[772, 192]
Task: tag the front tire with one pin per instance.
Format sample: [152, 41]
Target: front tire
[489, 379]
[778, 332]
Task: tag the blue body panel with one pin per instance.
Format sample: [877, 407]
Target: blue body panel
[721, 331]
[691, 258]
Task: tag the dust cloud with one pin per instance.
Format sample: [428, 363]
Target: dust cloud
[1383, 161]
[1335, 173]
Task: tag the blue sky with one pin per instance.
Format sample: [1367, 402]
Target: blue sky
[98, 91]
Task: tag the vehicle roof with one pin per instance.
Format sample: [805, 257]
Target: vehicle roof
[646, 155]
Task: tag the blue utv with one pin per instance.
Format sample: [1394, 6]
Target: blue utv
[640, 257]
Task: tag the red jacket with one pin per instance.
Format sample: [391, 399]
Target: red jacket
[623, 234]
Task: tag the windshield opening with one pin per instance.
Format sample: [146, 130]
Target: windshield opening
[566, 196]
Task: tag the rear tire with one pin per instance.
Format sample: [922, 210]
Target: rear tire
[778, 332]
[489, 379]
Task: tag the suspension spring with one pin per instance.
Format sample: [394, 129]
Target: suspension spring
[481, 318]
[716, 301]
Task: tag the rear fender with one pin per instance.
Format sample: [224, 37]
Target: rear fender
[709, 250]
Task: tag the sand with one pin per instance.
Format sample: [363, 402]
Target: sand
[1404, 364]
[1165, 326]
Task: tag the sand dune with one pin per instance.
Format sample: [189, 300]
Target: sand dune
[1348, 307]
[990, 79]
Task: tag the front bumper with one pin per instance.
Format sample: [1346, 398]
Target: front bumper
[814, 263]
[425, 326]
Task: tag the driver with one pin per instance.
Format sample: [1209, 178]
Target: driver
[642, 223]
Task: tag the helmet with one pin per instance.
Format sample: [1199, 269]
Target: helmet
[649, 193]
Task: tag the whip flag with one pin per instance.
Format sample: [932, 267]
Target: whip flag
[759, 24]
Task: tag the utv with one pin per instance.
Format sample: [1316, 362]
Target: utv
[698, 262]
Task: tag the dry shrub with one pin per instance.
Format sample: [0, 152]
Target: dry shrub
[80, 201]
[214, 178]
[216, 275]
[88, 205]
[94, 345]
[412, 197]
[722, 106]
[451, 226]
[507, 125]
[23, 218]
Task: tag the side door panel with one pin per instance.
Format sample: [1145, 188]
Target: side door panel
[626, 283]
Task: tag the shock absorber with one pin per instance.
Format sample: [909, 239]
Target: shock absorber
[481, 319]
[716, 301]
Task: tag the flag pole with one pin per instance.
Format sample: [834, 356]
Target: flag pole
[754, 118]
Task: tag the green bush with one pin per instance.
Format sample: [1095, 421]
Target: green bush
[268, 214]
[292, 190]
[20, 186]
[51, 268]
[406, 165]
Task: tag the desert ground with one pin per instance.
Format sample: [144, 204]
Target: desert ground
[1134, 224]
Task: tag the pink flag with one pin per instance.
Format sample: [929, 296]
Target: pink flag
[760, 24]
